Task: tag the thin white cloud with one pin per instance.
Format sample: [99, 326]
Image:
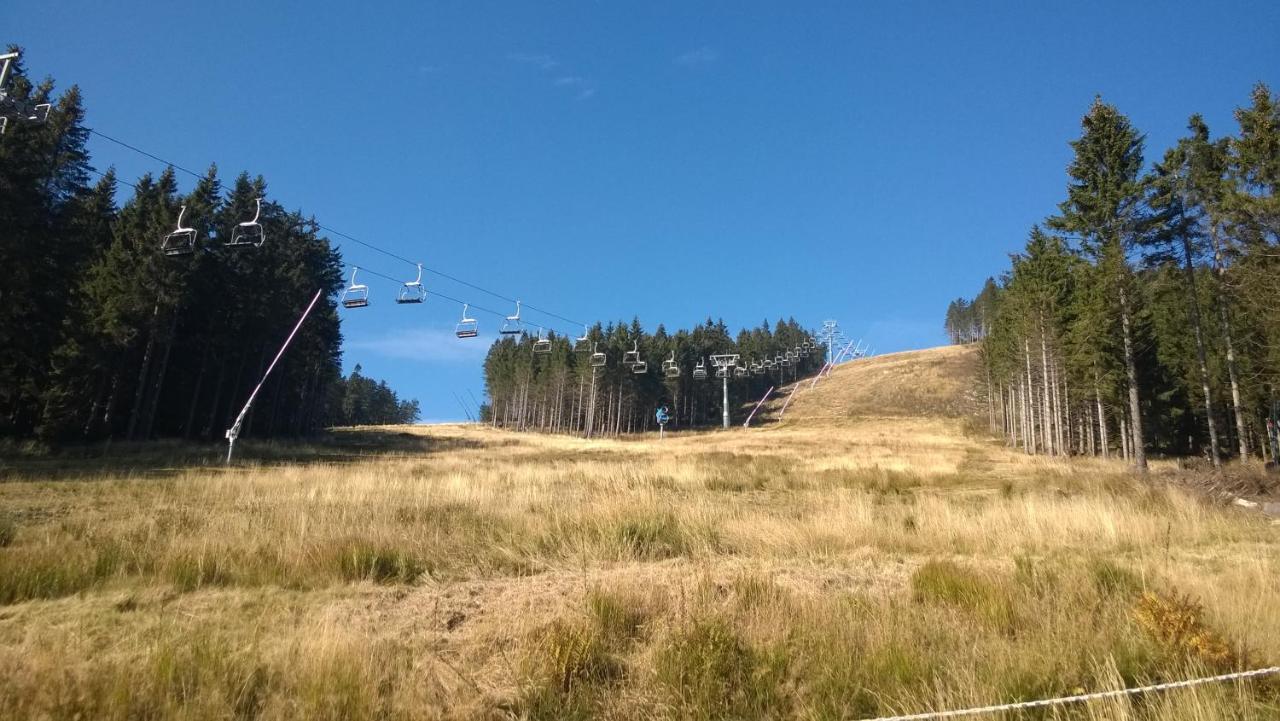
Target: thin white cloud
[564, 79]
[701, 56]
[541, 61]
[429, 345]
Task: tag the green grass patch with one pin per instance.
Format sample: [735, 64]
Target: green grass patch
[946, 583]
[365, 561]
[711, 673]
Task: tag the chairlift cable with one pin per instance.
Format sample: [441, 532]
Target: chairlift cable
[341, 234]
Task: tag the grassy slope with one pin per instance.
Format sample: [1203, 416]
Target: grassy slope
[865, 555]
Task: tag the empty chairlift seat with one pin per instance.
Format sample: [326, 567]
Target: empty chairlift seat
[511, 326]
[357, 294]
[670, 368]
[249, 232]
[182, 241]
[467, 327]
[542, 344]
[413, 291]
[632, 356]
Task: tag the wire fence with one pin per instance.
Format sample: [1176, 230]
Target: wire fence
[1081, 698]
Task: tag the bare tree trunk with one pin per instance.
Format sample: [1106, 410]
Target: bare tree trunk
[1102, 418]
[1224, 319]
[144, 372]
[1131, 371]
[1093, 448]
[1193, 309]
[188, 429]
[1032, 428]
[1045, 382]
[1124, 438]
[161, 373]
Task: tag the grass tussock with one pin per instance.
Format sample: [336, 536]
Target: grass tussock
[710, 673]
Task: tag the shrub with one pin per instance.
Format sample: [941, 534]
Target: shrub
[1177, 623]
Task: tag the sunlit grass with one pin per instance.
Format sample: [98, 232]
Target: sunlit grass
[811, 569]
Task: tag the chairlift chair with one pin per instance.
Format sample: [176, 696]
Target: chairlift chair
[357, 294]
[511, 326]
[722, 372]
[632, 356]
[11, 107]
[670, 368]
[640, 367]
[182, 241]
[542, 344]
[467, 327]
[700, 370]
[598, 359]
[580, 345]
[250, 232]
[741, 372]
[768, 364]
[413, 291]
[757, 368]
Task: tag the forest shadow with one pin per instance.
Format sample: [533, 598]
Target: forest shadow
[167, 457]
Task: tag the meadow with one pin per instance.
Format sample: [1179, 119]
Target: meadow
[870, 553]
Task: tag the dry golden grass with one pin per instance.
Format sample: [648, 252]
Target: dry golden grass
[843, 563]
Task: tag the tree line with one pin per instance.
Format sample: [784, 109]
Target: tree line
[1144, 316]
[106, 337]
[560, 391]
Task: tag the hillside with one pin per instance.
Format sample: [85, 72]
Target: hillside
[866, 555]
[934, 383]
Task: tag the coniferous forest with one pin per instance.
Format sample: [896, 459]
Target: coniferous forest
[560, 391]
[104, 336]
[1144, 316]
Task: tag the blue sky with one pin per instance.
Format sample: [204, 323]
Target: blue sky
[860, 161]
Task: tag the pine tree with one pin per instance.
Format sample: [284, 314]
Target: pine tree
[1105, 209]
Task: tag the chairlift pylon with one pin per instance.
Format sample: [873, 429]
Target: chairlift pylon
[467, 327]
[670, 368]
[598, 359]
[511, 326]
[249, 232]
[182, 241]
[542, 344]
[413, 291]
[357, 294]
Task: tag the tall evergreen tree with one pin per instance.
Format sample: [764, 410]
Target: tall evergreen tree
[1106, 211]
